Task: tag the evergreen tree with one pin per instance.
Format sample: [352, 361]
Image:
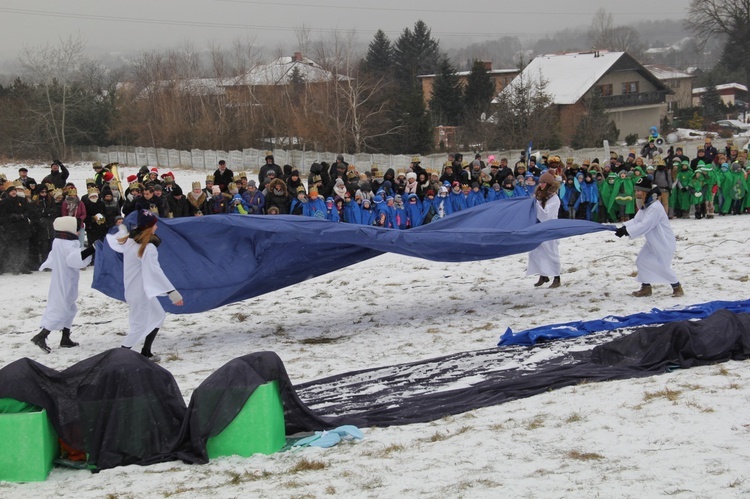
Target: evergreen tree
[479, 92]
[417, 131]
[415, 53]
[711, 103]
[447, 93]
[380, 55]
[595, 126]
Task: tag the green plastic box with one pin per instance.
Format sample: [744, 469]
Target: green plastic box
[258, 428]
[28, 445]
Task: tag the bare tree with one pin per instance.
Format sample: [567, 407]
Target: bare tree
[729, 19]
[54, 68]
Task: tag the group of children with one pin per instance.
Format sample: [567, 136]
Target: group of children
[616, 191]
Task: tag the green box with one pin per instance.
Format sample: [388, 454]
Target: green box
[258, 428]
[28, 446]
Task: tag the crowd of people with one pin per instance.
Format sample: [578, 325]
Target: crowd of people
[711, 183]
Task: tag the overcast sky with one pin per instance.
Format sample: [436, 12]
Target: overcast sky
[131, 25]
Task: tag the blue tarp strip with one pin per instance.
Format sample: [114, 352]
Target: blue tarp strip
[221, 259]
[655, 316]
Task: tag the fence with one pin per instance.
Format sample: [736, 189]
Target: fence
[253, 159]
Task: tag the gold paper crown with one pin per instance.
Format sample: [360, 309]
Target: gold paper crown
[90, 181]
[93, 190]
[415, 159]
[196, 185]
[209, 178]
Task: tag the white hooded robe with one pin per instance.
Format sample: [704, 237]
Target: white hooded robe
[545, 258]
[654, 262]
[144, 280]
[64, 260]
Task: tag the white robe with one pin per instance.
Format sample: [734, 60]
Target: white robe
[654, 262]
[545, 258]
[65, 262]
[144, 280]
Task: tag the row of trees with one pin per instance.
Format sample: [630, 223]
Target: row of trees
[375, 103]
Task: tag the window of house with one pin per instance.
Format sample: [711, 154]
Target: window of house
[605, 90]
[630, 87]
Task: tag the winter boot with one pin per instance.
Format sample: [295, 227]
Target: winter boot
[65, 341]
[146, 351]
[677, 291]
[644, 291]
[40, 340]
[555, 282]
[542, 280]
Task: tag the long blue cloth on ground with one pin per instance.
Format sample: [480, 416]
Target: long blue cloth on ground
[611, 322]
[217, 260]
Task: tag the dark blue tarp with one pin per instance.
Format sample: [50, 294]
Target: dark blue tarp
[612, 322]
[217, 260]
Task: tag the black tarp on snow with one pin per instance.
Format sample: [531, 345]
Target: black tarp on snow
[123, 409]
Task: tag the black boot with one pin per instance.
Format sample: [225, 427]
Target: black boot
[66, 342]
[542, 279]
[40, 340]
[555, 282]
[146, 351]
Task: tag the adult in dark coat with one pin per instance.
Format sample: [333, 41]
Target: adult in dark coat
[42, 212]
[17, 231]
[178, 205]
[58, 175]
[270, 165]
[223, 176]
[23, 176]
[277, 195]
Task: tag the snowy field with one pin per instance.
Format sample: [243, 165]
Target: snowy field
[684, 434]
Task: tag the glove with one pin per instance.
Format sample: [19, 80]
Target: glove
[622, 231]
[174, 296]
[87, 252]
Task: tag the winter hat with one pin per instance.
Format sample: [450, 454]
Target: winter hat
[411, 175]
[106, 190]
[216, 190]
[365, 187]
[66, 224]
[443, 189]
[177, 190]
[154, 170]
[146, 219]
[339, 182]
[131, 178]
[430, 192]
[157, 187]
[547, 178]
[251, 183]
[643, 184]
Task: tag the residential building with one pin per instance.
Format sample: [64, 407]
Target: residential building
[634, 98]
[680, 82]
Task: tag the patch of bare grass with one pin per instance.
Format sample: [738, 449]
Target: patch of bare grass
[667, 393]
[584, 456]
[321, 340]
[306, 464]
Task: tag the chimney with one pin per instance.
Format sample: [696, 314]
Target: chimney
[487, 65]
[298, 57]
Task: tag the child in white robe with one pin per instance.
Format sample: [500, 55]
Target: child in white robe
[545, 258]
[65, 260]
[144, 280]
[654, 262]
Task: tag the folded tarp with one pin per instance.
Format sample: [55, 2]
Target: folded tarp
[221, 259]
[609, 323]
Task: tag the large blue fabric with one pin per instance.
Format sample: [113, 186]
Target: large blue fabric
[611, 322]
[221, 259]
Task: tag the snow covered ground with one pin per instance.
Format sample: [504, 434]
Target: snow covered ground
[686, 433]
